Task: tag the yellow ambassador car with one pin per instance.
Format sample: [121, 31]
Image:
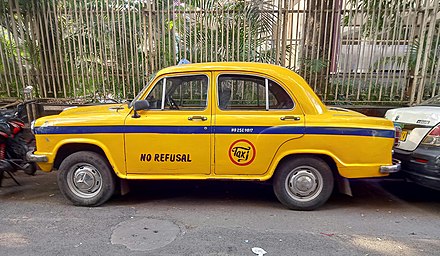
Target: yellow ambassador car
[228, 121]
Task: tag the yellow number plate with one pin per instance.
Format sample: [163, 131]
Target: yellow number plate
[403, 135]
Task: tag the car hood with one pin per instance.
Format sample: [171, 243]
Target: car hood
[108, 114]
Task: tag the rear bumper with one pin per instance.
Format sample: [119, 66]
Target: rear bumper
[31, 157]
[395, 167]
[421, 165]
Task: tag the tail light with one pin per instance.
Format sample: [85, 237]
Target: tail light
[433, 137]
[397, 133]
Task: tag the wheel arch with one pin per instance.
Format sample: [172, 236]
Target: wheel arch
[329, 160]
[68, 147]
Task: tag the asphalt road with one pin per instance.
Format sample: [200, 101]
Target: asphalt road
[384, 217]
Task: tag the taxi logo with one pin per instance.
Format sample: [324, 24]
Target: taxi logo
[242, 152]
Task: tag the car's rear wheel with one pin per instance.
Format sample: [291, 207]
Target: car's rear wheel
[86, 179]
[303, 183]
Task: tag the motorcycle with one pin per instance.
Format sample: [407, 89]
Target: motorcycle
[14, 143]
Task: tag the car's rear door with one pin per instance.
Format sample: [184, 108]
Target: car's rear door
[254, 116]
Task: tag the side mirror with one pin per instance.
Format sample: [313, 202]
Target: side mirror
[140, 105]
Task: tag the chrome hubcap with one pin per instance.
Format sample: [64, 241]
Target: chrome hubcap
[85, 181]
[304, 183]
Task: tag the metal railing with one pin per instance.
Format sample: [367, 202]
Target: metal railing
[355, 51]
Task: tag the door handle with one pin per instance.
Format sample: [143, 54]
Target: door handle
[294, 118]
[192, 118]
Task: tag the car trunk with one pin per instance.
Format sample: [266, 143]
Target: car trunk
[415, 122]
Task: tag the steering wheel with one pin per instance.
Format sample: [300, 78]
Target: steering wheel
[172, 103]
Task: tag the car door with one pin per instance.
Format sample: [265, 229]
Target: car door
[174, 135]
[254, 116]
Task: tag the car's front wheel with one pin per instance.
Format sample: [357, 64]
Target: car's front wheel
[303, 183]
[86, 179]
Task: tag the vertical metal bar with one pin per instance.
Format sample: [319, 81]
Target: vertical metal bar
[129, 49]
[226, 58]
[151, 40]
[379, 66]
[290, 14]
[4, 58]
[374, 17]
[184, 33]
[22, 36]
[434, 77]
[416, 83]
[396, 32]
[113, 53]
[217, 28]
[360, 52]
[330, 43]
[236, 42]
[138, 78]
[103, 22]
[69, 73]
[234, 23]
[50, 72]
[79, 20]
[298, 39]
[207, 24]
[100, 18]
[17, 46]
[58, 43]
[90, 42]
[282, 56]
[170, 47]
[123, 42]
[431, 11]
[211, 30]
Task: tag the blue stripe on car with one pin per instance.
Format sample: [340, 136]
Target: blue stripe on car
[216, 129]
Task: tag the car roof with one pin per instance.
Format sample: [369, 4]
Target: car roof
[216, 66]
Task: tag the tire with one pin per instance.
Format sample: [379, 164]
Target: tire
[303, 183]
[86, 179]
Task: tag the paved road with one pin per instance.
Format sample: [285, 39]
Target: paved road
[218, 218]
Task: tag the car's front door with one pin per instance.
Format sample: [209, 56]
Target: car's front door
[254, 116]
[173, 136]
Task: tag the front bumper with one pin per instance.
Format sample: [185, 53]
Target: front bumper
[395, 167]
[421, 165]
[31, 157]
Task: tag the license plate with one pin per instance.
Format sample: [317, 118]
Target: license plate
[403, 135]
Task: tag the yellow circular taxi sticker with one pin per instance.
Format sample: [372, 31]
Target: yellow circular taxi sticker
[242, 152]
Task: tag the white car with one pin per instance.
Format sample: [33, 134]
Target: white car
[419, 145]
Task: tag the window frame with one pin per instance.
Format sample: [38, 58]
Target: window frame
[164, 79]
[266, 85]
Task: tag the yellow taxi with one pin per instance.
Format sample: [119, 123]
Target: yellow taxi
[228, 121]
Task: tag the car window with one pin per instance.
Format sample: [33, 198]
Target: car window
[246, 92]
[180, 93]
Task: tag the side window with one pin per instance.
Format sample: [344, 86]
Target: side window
[180, 93]
[247, 92]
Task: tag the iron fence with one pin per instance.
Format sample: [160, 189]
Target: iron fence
[362, 51]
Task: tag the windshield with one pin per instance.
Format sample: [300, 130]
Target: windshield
[432, 101]
[142, 91]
